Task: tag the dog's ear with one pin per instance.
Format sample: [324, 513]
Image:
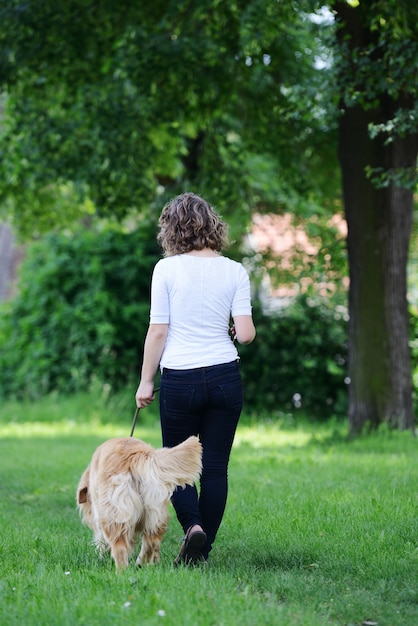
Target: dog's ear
[82, 495]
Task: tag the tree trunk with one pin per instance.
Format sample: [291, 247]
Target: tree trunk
[379, 226]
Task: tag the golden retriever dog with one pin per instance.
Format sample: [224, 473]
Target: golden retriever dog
[125, 492]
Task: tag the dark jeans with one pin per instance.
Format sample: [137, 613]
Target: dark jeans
[207, 402]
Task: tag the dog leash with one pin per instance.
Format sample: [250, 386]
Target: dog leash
[136, 415]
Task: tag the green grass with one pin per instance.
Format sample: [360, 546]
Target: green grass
[317, 530]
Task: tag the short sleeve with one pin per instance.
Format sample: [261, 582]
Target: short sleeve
[160, 303]
[241, 303]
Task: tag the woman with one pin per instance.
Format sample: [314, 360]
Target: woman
[194, 292]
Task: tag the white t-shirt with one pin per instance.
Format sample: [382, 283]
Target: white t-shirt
[196, 297]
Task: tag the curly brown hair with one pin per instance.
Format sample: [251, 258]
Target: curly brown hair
[189, 223]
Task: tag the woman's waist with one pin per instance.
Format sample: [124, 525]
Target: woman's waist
[202, 375]
[191, 356]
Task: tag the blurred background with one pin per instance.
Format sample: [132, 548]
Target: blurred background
[297, 121]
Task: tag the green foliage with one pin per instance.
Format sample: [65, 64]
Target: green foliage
[379, 59]
[376, 70]
[121, 101]
[298, 360]
[81, 313]
[413, 317]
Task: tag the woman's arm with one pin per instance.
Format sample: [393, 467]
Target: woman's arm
[244, 328]
[153, 350]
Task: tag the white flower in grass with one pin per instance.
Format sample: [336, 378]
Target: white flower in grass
[161, 613]
[127, 605]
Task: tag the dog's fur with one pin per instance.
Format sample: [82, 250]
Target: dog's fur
[126, 489]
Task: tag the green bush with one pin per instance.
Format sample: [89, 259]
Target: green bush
[82, 312]
[413, 318]
[80, 315]
[298, 360]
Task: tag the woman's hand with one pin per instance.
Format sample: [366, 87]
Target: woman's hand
[145, 394]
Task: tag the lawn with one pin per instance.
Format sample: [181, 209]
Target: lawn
[318, 530]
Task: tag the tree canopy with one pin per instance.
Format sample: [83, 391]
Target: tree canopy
[122, 104]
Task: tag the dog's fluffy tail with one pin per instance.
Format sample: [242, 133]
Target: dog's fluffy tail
[181, 465]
